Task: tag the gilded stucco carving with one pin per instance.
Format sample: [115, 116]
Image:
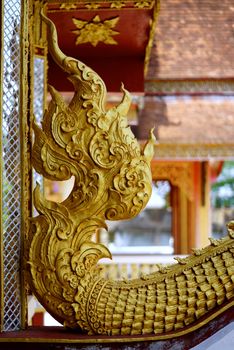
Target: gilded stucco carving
[96, 31]
[112, 181]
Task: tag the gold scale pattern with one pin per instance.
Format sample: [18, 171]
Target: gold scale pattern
[112, 181]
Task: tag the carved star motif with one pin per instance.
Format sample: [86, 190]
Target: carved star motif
[95, 31]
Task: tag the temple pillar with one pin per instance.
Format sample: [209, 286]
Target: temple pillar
[202, 198]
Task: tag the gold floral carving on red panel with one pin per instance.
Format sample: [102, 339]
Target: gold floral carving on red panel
[117, 4]
[96, 31]
[68, 6]
[92, 6]
[141, 4]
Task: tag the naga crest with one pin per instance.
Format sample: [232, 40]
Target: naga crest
[112, 182]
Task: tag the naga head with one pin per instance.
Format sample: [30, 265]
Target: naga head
[112, 181]
[81, 139]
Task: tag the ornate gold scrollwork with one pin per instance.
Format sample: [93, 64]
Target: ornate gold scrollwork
[112, 181]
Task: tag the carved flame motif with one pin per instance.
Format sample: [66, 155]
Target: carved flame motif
[112, 181]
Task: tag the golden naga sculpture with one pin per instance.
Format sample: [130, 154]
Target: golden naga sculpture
[112, 181]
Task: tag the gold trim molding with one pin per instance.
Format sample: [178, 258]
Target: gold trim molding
[71, 5]
[38, 28]
[112, 182]
[151, 36]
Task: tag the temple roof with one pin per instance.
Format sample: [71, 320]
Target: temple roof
[189, 119]
[193, 40]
